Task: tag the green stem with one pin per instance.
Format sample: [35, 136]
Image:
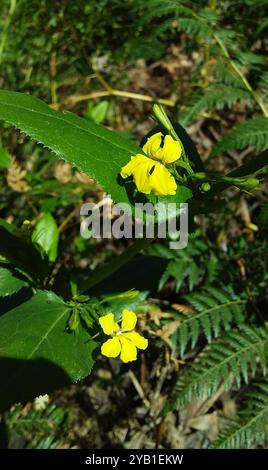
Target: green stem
[175, 136]
[254, 165]
[164, 120]
[235, 68]
[7, 23]
[215, 178]
[114, 265]
[242, 77]
[241, 182]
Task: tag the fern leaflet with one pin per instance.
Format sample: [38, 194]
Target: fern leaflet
[217, 96]
[249, 428]
[215, 309]
[232, 358]
[253, 132]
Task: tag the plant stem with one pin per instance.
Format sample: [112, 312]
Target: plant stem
[254, 165]
[53, 83]
[101, 274]
[7, 23]
[163, 119]
[72, 100]
[244, 80]
[67, 220]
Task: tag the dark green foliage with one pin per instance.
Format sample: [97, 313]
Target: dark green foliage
[216, 310]
[233, 358]
[249, 428]
[263, 215]
[216, 96]
[253, 132]
[21, 252]
[11, 281]
[191, 264]
[37, 428]
[49, 26]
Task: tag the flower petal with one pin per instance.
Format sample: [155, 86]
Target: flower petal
[139, 166]
[128, 351]
[141, 175]
[129, 320]
[162, 182]
[165, 150]
[108, 324]
[153, 144]
[111, 347]
[127, 170]
[171, 150]
[139, 341]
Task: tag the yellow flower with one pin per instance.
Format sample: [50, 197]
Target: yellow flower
[124, 340]
[149, 172]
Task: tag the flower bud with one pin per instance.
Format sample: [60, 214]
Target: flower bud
[162, 117]
[248, 184]
[205, 187]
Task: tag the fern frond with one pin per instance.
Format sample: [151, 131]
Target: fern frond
[192, 264]
[38, 421]
[215, 310]
[253, 132]
[158, 9]
[195, 27]
[250, 427]
[225, 75]
[198, 24]
[44, 442]
[230, 359]
[217, 96]
[180, 270]
[250, 59]
[262, 86]
[185, 266]
[160, 250]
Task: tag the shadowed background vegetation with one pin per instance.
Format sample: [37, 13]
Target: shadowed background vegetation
[202, 381]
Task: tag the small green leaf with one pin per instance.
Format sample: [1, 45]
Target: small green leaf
[37, 355]
[97, 112]
[9, 282]
[5, 158]
[46, 235]
[20, 252]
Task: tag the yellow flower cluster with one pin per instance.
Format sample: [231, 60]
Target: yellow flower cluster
[124, 340]
[149, 172]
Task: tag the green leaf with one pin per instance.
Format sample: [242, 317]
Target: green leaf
[117, 304]
[37, 355]
[9, 282]
[21, 252]
[46, 235]
[97, 112]
[5, 158]
[93, 149]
